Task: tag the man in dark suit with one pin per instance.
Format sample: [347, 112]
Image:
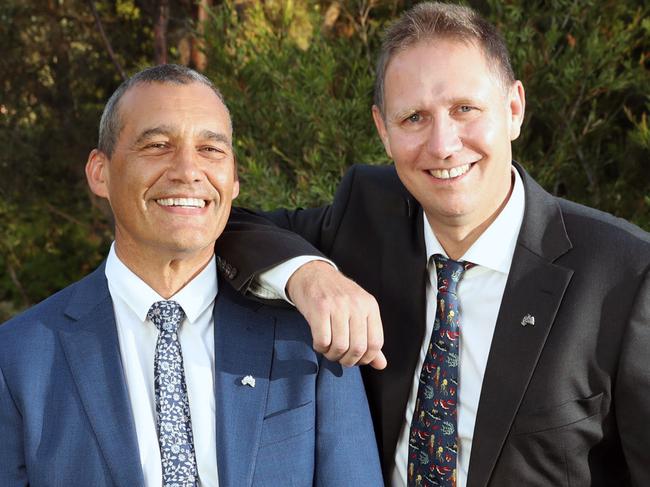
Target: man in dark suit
[152, 371]
[550, 385]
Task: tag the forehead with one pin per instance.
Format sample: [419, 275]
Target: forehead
[192, 106]
[439, 66]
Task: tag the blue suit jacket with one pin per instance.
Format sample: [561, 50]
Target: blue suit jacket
[65, 417]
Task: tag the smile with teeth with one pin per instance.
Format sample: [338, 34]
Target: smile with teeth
[454, 172]
[183, 202]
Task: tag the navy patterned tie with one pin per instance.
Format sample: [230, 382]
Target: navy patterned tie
[433, 440]
[172, 406]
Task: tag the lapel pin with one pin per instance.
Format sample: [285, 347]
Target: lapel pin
[249, 380]
[528, 320]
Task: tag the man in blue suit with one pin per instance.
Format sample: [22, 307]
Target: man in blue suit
[152, 371]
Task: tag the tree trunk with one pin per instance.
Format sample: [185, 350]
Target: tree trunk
[161, 22]
[199, 58]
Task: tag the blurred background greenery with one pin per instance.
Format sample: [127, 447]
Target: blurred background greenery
[297, 76]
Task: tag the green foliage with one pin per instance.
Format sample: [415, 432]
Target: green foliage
[585, 69]
[301, 112]
[302, 115]
[55, 77]
[46, 249]
[297, 76]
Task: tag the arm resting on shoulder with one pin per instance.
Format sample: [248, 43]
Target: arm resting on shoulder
[254, 241]
[343, 317]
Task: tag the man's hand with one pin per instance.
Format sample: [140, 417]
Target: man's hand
[344, 318]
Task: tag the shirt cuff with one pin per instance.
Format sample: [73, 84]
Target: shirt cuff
[272, 283]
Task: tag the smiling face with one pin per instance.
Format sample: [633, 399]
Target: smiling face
[171, 179]
[448, 125]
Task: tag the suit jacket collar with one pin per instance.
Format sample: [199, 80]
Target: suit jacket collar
[535, 288]
[91, 348]
[244, 342]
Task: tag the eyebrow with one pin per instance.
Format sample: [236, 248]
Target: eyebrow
[405, 113]
[214, 136]
[168, 131]
[152, 132]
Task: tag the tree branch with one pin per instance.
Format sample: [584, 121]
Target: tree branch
[107, 43]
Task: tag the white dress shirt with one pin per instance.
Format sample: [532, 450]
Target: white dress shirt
[479, 293]
[132, 298]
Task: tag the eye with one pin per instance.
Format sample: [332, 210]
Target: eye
[211, 149]
[156, 145]
[414, 118]
[465, 108]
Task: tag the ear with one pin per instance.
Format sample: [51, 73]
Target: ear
[381, 129]
[235, 189]
[97, 173]
[517, 107]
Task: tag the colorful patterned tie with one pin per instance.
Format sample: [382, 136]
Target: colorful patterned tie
[433, 441]
[172, 406]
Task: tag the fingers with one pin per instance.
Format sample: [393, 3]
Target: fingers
[321, 330]
[379, 362]
[354, 339]
[375, 340]
[344, 318]
[357, 342]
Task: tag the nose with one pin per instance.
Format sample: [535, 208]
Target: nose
[185, 166]
[443, 140]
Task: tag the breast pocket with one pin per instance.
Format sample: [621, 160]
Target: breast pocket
[559, 416]
[286, 424]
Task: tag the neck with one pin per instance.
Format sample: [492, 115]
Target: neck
[457, 241]
[457, 237]
[165, 274]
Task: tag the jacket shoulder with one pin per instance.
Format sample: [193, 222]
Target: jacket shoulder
[587, 225]
[371, 176]
[375, 191]
[49, 307]
[48, 314]
[291, 325]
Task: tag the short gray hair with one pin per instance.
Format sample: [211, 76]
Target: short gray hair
[110, 125]
[430, 20]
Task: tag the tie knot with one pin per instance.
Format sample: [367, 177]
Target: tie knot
[166, 315]
[449, 272]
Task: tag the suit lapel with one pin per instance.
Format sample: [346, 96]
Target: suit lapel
[243, 347]
[535, 287]
[91, 348]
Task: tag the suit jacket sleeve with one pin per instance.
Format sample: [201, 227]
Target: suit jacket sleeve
[346, 451]
[12, 462]
[632, 391]
[254, 242]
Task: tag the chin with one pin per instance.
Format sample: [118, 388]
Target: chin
[448, 209]
[188, 246]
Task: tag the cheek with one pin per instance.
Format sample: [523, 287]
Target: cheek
[489, 137]
[406, 147]
[483, 133]
[223, 181]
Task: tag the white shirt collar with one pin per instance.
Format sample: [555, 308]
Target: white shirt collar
[496, 245]
[194, 297]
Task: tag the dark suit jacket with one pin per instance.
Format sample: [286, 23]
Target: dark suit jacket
[65, 416]
[565, 402]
